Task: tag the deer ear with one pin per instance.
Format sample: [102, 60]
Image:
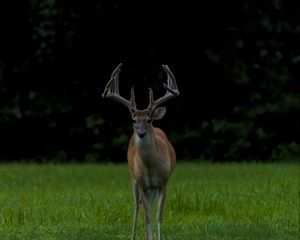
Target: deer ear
[159, 113]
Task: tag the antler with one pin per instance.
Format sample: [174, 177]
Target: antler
[172, 91]
[112, 90]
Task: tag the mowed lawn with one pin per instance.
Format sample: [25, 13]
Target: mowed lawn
[204, 201]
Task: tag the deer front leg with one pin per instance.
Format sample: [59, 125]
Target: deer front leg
[136, 196]
[147, 211]
[161, 200]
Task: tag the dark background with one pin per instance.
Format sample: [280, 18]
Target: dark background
[236, 64]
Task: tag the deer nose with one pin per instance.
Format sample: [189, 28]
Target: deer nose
[141, 135]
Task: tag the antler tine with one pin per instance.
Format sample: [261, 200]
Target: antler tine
[171, 87]
[132, 99]
[150, 97]
[112, 90]
[113, 82]
[117, 79]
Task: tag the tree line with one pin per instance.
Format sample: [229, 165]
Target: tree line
[239, 98]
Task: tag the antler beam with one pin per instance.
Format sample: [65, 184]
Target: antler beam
[171, 87]
[112, 90]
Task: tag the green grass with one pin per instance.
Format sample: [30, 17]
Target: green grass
[204, 201]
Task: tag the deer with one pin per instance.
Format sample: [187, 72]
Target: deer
[151, 156]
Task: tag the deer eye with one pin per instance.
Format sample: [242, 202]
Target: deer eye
[133, 120]
[149, 120]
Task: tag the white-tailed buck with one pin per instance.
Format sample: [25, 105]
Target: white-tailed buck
[151, 157]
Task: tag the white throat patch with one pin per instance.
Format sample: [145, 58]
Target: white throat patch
[142, 141]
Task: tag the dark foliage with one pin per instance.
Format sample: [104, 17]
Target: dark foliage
[236, 64]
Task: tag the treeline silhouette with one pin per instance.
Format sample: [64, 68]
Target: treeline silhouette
[236, 65]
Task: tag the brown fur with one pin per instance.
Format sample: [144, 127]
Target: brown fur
[163, 167]
[150, 167]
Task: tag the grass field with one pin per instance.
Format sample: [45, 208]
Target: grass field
[204, 201]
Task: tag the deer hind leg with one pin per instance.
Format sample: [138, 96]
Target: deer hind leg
[161, 200]
[136, 196]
